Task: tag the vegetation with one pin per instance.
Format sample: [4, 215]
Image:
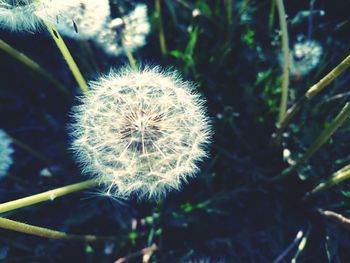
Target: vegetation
[275, 186]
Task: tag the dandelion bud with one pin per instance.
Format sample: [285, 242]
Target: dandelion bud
[140, 132]
[6, 151]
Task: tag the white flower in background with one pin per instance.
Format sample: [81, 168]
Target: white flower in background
[125, 34]
[79, 19]
[140, 132]
[136, 28]
[84, 19]
[6, 151]
[19, 15]
[304, 57]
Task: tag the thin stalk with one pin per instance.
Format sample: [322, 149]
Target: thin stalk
[68, 57]
[337, 177]
[46, 196]
[162, 41]
[312, 91]
[30, 150]
[229, 12]
[48, 233]
[295, 242]
[321, 139]
[131, 59]
[129, 55]
[34, 66]
[340, 219]
[145, 251]
[272, 15]
[285, 51]
[301, 247]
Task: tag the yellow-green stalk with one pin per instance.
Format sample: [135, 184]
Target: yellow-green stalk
[68, 57]
[48, 233]
[285, 52]
[46, 196]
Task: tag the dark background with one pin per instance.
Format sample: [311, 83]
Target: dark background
[227, 212]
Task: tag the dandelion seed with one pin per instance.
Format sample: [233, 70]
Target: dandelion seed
[140, 132]
[6, 151]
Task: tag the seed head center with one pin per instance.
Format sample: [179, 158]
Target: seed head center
[142, 129]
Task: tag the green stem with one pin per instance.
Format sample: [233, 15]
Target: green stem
[272, 15]
[68, 57]
[129, 55]
[285, 51]
[30, 150]
[47, 233]
[162, 41]
[229, 12]
[321, 139]
[312, 91]
[33, 66]
[337, 177]
[46, 196]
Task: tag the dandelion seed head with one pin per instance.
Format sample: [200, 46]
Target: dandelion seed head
[84, 18]
[304, 57]
[140, 132]
[6, 151]
[125, 34]
[19, 15]
[88, 16]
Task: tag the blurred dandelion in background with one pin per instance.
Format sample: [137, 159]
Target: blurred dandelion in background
[28, 15]
[304, 56]
[6, 151]
[20, 15]
[125, 34]
[140, 132]
[79, 19]
[84, 19]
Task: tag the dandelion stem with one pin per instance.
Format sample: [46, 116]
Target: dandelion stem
[162, 41]
[68, 57]
[321, 139]
[312, 91]
[229, 12]
[33, 66]
[340, 219]
[337, 177]
[47, 233]
[129, 55]
[272, 15]
[285, 51]
[30, 150]
[46, 196]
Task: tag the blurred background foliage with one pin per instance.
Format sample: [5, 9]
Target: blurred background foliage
[232, 50]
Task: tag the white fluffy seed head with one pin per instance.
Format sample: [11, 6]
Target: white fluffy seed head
[6, 151]
[19, 15]
[140, 132]
[125, 34]
[84, 18]
[304, 57]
